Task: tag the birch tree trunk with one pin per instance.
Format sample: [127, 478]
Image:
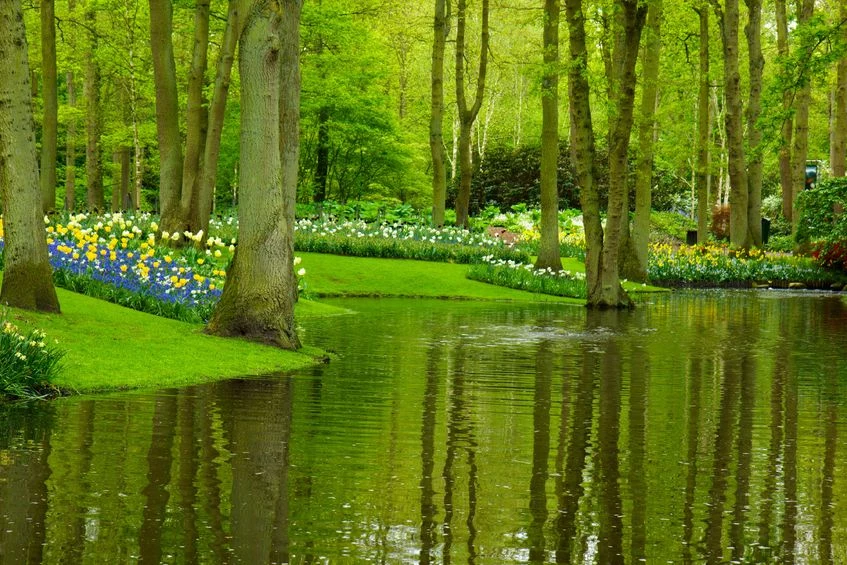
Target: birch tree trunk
[28, 277]
[738, 186]
[50, 127]
[467, 115]
[703, 131]
[436, 121]
[257, 301]
[754, 133]
[167, 116]
[549, 255]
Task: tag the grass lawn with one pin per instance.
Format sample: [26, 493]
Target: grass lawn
[109, 347]
[335, 275]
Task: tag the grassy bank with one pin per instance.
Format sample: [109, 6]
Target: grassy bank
[109, 347]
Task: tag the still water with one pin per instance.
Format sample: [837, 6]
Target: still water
[701, 428]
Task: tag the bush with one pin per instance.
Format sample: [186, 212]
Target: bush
[720, 221]
[524, 276]
[823, 223]
[27, 363]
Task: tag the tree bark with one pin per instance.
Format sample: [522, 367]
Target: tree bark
[754, 133]
[634, 256]
[49, 132]
[28, 277]
[322, 161]
[703, 131]
[838, 158]
[70, 147]
[196, 120]
[167, 116]
[549, 254]
[785, 181]
[800, 137]
[467, 115]
[217, 112]
[738, 186]
[121, 199]
[257, 301]
[436, 121]
[93, 119]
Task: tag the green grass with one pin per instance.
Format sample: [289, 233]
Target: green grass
[109, 347]
[334, 275]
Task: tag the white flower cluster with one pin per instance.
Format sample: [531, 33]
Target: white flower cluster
[529, 267]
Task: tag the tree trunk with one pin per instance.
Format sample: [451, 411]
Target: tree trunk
[167, 116]
[93, 119]
[257, 300]
[623, 104]
[28, 277]
[322, 163]
[467, 115]
[121, 199]
[738, 186]
[703, 131]
[217, 112]
[754, 133]
[196, 120]
[549, 254]
[49, 132]
[634, 256]
[289, 136]
[839, 131]
[70, 147]
[800, 138]
[785, 181]
[436, 121]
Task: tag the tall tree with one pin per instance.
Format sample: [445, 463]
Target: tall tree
[70, 146]
[50, 127]
[838, 151]
[703, 128]
[728, 18]
[257, 302]
[753, 31]
[467, 115]
[28, 277]
[549, 255]
[785, 182]
[217, 111]
[603, 247]
[93, 116]
[802, 101]
[167, 115]
[634, 252]
[436, 121]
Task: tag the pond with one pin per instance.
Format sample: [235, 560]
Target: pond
[702, 427]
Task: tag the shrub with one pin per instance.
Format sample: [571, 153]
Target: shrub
[524, 276]
[720, 221]
[823, 222]
[27, 363]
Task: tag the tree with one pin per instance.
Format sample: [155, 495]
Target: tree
[603, 247]
[167, 115]
[50, 127]
[93, 116]
[467, 115]
[753, 32]
[634, 251]
[28, 278]
[788, 123]
[838, 150]
[436, 123]
[800, 137]
[703, 129]
[728, 16]
[257, 301]
[549, 255]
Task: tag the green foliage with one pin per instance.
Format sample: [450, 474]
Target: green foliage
[670, 225]
[823, 222]
[27, 363]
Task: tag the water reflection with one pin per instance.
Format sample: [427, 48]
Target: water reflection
[703, 428]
